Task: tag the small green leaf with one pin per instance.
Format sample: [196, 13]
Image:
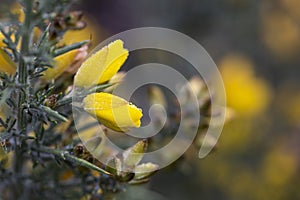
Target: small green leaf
[114, 166]
[54, 113]
[44, 36]
[68, 48]
[99, 88]
[134, 154]
[5, 95]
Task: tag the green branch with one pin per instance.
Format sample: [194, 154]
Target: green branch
[64, 155]
[71, 47]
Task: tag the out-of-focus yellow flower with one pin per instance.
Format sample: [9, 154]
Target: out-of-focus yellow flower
[61, 63]
[90, 32]
[279, 167]
[79, 58]
[66, 175]
[5, 158]
[292, 6]
[290, 105]
[246, 94]
[112, 111]
[281, 34]
[102, 65]
[3, 118]
[2, 44]
[6, 64]
[288, 101]
[17, 10]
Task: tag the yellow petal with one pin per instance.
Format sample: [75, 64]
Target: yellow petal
[18, 11]
[88, 75]
[5, 158]
[112, 111]
[102, 65]
[4, 110]
[247, 94]
[91, 32]
[2, 44]
[66, 175]
[6, 64]
[62, 62]
[36, 34]
[13, 38]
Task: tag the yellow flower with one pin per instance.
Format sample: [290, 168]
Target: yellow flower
[102, 65]
[112, 111]
[17, 10]
[6, 64]
[279, 167]
[90, 32]
[246, 94]
[61, 63]
[5, 158]
[292, 8]
[284, 44]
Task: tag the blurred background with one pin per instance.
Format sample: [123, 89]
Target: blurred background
[256, 45]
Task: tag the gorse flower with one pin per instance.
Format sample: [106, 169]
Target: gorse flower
[61, 63]
[102, 65]
[6, 64]
[247, 94]
[112, 111]
[38, 61]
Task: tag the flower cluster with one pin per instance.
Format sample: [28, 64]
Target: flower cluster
[112, 111]
[39, 74]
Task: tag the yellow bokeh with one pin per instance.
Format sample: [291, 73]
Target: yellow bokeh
[246, 94]
[288, 101]
[279, 167]
[90, 32]
[281, 34]
[16, 9]
[6, 64]
[292, 7]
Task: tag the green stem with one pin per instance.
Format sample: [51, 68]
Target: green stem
[63, 102]
[23, 68]
[67, 156]
[54, 114]
[22, 72]
[68, 48]
[68, 99]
